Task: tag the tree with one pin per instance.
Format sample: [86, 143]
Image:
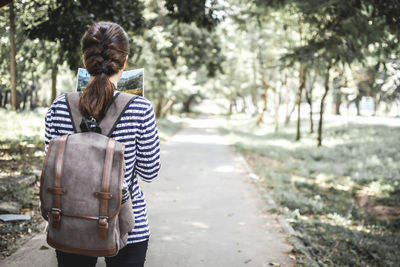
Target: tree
[179, 54]
[201, 12]
[272, 39]
[302, 82]
[309, 97]
[13, 71]
[66, 22]
[343, 32]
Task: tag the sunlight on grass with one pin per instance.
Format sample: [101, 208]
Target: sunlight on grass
[22, 139]
[17, 125]
[343, 198]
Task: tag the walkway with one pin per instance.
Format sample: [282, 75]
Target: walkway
[204, 210]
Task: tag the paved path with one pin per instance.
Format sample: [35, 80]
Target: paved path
[204, 210]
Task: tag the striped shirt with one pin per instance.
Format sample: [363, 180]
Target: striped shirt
[137, 130]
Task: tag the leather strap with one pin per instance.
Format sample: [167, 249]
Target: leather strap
[57, 189]
[104, 195]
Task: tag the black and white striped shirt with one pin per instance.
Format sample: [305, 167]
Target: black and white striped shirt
[137, 130]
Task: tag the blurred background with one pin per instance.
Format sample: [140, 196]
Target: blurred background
[307, 90]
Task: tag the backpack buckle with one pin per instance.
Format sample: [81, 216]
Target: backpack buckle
[56, 217]
[103, 227]
[90, 125]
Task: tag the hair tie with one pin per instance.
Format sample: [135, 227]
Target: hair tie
[100, 71]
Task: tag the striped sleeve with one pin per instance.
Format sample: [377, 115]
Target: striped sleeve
[49, 128]
[148, 147]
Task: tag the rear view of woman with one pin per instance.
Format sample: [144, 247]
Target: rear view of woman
[105, 52]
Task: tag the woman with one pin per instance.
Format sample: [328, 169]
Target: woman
[105, 52]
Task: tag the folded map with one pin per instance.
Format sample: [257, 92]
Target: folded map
[132, 81]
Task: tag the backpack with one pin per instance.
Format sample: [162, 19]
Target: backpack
[82, 182]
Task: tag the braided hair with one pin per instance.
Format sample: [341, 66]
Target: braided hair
[105, 46]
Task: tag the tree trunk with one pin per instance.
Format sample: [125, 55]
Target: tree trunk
[230, 107]
[398, 108]
[24, 98]
[265, 99]
[236, 106]
[377, 102]
[32, 105]
[167, 106]
[54, 72]
[277, 106]
[36, 101]
[13, 67]
[254, 91]
[338, 102]
[322, 106]
[288, 112]
[159, 108]
[311, 115]
[302, 80]
[337, 94]
[31, 90]
[6, 98]
[187, 104]
[289, 115]
[357, 102]
[244, 107]
[309, 98]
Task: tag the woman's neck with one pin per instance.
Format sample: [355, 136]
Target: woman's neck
[115, 78]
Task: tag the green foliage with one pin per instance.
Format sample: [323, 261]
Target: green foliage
[343, 31]
[33, 57]
[178, 56]
[201, 12]
[66, 22]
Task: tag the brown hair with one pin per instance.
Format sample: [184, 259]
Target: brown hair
[105, 46]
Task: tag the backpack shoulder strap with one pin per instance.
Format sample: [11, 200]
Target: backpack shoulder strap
[114, 111]
[72, 100]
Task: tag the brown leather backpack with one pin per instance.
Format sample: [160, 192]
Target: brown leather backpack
[81, 186]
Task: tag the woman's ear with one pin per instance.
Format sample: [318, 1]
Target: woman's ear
[126, 61]
[83, 61]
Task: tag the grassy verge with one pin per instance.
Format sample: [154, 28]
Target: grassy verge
[21, 142]
[342, 198]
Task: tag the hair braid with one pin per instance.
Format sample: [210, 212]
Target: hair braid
[104, 49]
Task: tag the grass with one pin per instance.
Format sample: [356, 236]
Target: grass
[22, 139]
[343, 198]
